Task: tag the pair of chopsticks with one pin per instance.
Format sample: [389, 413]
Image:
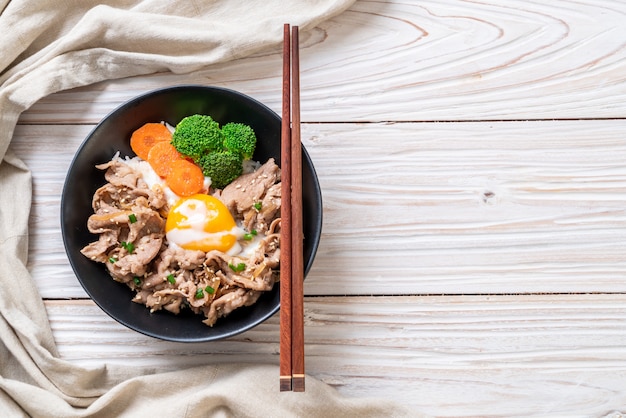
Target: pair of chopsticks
[291, 248]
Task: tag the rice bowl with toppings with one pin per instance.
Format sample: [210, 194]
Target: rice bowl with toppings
[188, 286]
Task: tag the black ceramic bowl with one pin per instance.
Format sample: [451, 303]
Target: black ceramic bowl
[111, 135]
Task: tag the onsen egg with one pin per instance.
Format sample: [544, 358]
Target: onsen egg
[201, 222]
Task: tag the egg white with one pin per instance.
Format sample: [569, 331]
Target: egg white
[195, 214]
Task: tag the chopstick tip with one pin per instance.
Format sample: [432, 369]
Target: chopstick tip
[297, 383]
[285, 384]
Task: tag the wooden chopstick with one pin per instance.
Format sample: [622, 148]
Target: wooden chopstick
[285, 222]
[297, 262]
[291, 247]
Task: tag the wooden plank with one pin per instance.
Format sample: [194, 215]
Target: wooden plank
[48, 151]
[550, 355]
[461, 208]
[511, 207]
[421, 61]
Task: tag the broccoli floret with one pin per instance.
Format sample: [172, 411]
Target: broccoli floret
[197, 135]
[239, 139]
[222, 167]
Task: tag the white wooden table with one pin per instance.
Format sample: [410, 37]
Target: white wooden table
[472, 157]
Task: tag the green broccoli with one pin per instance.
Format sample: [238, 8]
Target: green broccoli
[222, 167]
[197, 135]
[239, 139]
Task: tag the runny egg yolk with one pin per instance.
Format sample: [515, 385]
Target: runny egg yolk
[201, 222]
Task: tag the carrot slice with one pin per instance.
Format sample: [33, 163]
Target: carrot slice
[144, 138]
[185, 179]
[161, 157]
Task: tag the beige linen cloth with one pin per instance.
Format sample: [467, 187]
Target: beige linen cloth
[52, 45]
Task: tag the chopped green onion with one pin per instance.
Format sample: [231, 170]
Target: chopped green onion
[171, 278]
[248, 236]
[239, 267]
[132, 218]
[128, 246]
[112, 259]
[209, 289]
[199, 293]
[136, 281]
[258, 205]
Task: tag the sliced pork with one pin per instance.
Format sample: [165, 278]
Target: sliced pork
[129, 220]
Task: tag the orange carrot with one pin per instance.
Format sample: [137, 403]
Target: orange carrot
[185, 179]
[144, 138]
[161, 157]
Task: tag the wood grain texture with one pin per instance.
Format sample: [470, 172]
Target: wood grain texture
[511, 207]
[445, 356]
[421, 61]
[516, 219]
[410, 208]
